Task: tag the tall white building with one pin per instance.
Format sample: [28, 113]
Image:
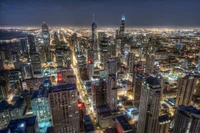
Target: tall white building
[63, 100]
[149, 106]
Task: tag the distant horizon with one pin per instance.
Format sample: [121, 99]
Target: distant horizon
[99, 27]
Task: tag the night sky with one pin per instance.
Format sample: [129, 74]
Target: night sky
[175, 13]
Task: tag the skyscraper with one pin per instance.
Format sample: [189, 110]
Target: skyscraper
[94, 38]
[150, 60]
[122, 27]
[131, 62]
[63, 100]
[186, 88]
[137, 89]
[94, 30]
[33, 48]
[98, 92]
[90, 68]
[187, 120]
[36, 65]
[111, 66]
[149, 106]
[112, 92]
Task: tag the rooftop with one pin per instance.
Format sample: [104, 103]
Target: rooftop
[62, 87]
[190, 109]
[124, 123]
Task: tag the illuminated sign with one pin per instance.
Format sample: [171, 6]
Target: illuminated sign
[90, 62]
[60, 77]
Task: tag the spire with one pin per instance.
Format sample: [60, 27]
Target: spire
[123, 16]
[93, 19]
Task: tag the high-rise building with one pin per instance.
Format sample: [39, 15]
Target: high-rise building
[111, 66]
[33, 48]
[149, 106]
[90, 54]
[150, 60]
[94, 30]
[90, 68]
[164, 124]
[186, 89]
[98, 92]
[45, 28]
[111, 48]
[1, 64]
[111, 92]
[40, 106]
[137, 89]
[63, 100]
[122, 27]
[187, 120]
[36, 64]
[131, 62]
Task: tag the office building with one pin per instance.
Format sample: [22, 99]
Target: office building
[131, 62]
[137, 90]
[164, 124]
[98, 92]
[187, 120]
[186, 90]
[150, 60]
[149, 106]
[32, 46]
[36, 64]
[111, 66]
[63, 100]
[122, 27]
[12, 111]
[90, 68]
[94, 30]
[82, 113]
[90, 55]
[40, 106]
[111, 92]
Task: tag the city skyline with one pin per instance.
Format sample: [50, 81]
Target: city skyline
[145, 13]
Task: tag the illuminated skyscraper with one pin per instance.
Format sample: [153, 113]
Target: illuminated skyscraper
[187, 120]
[45, 28]
[131, 62]
[90, 68]
[149, 106]
[137, 89]
[111, 92]
[63, 100]
[150, 60]
[122, 27]
[186, 89]
[36, 65]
